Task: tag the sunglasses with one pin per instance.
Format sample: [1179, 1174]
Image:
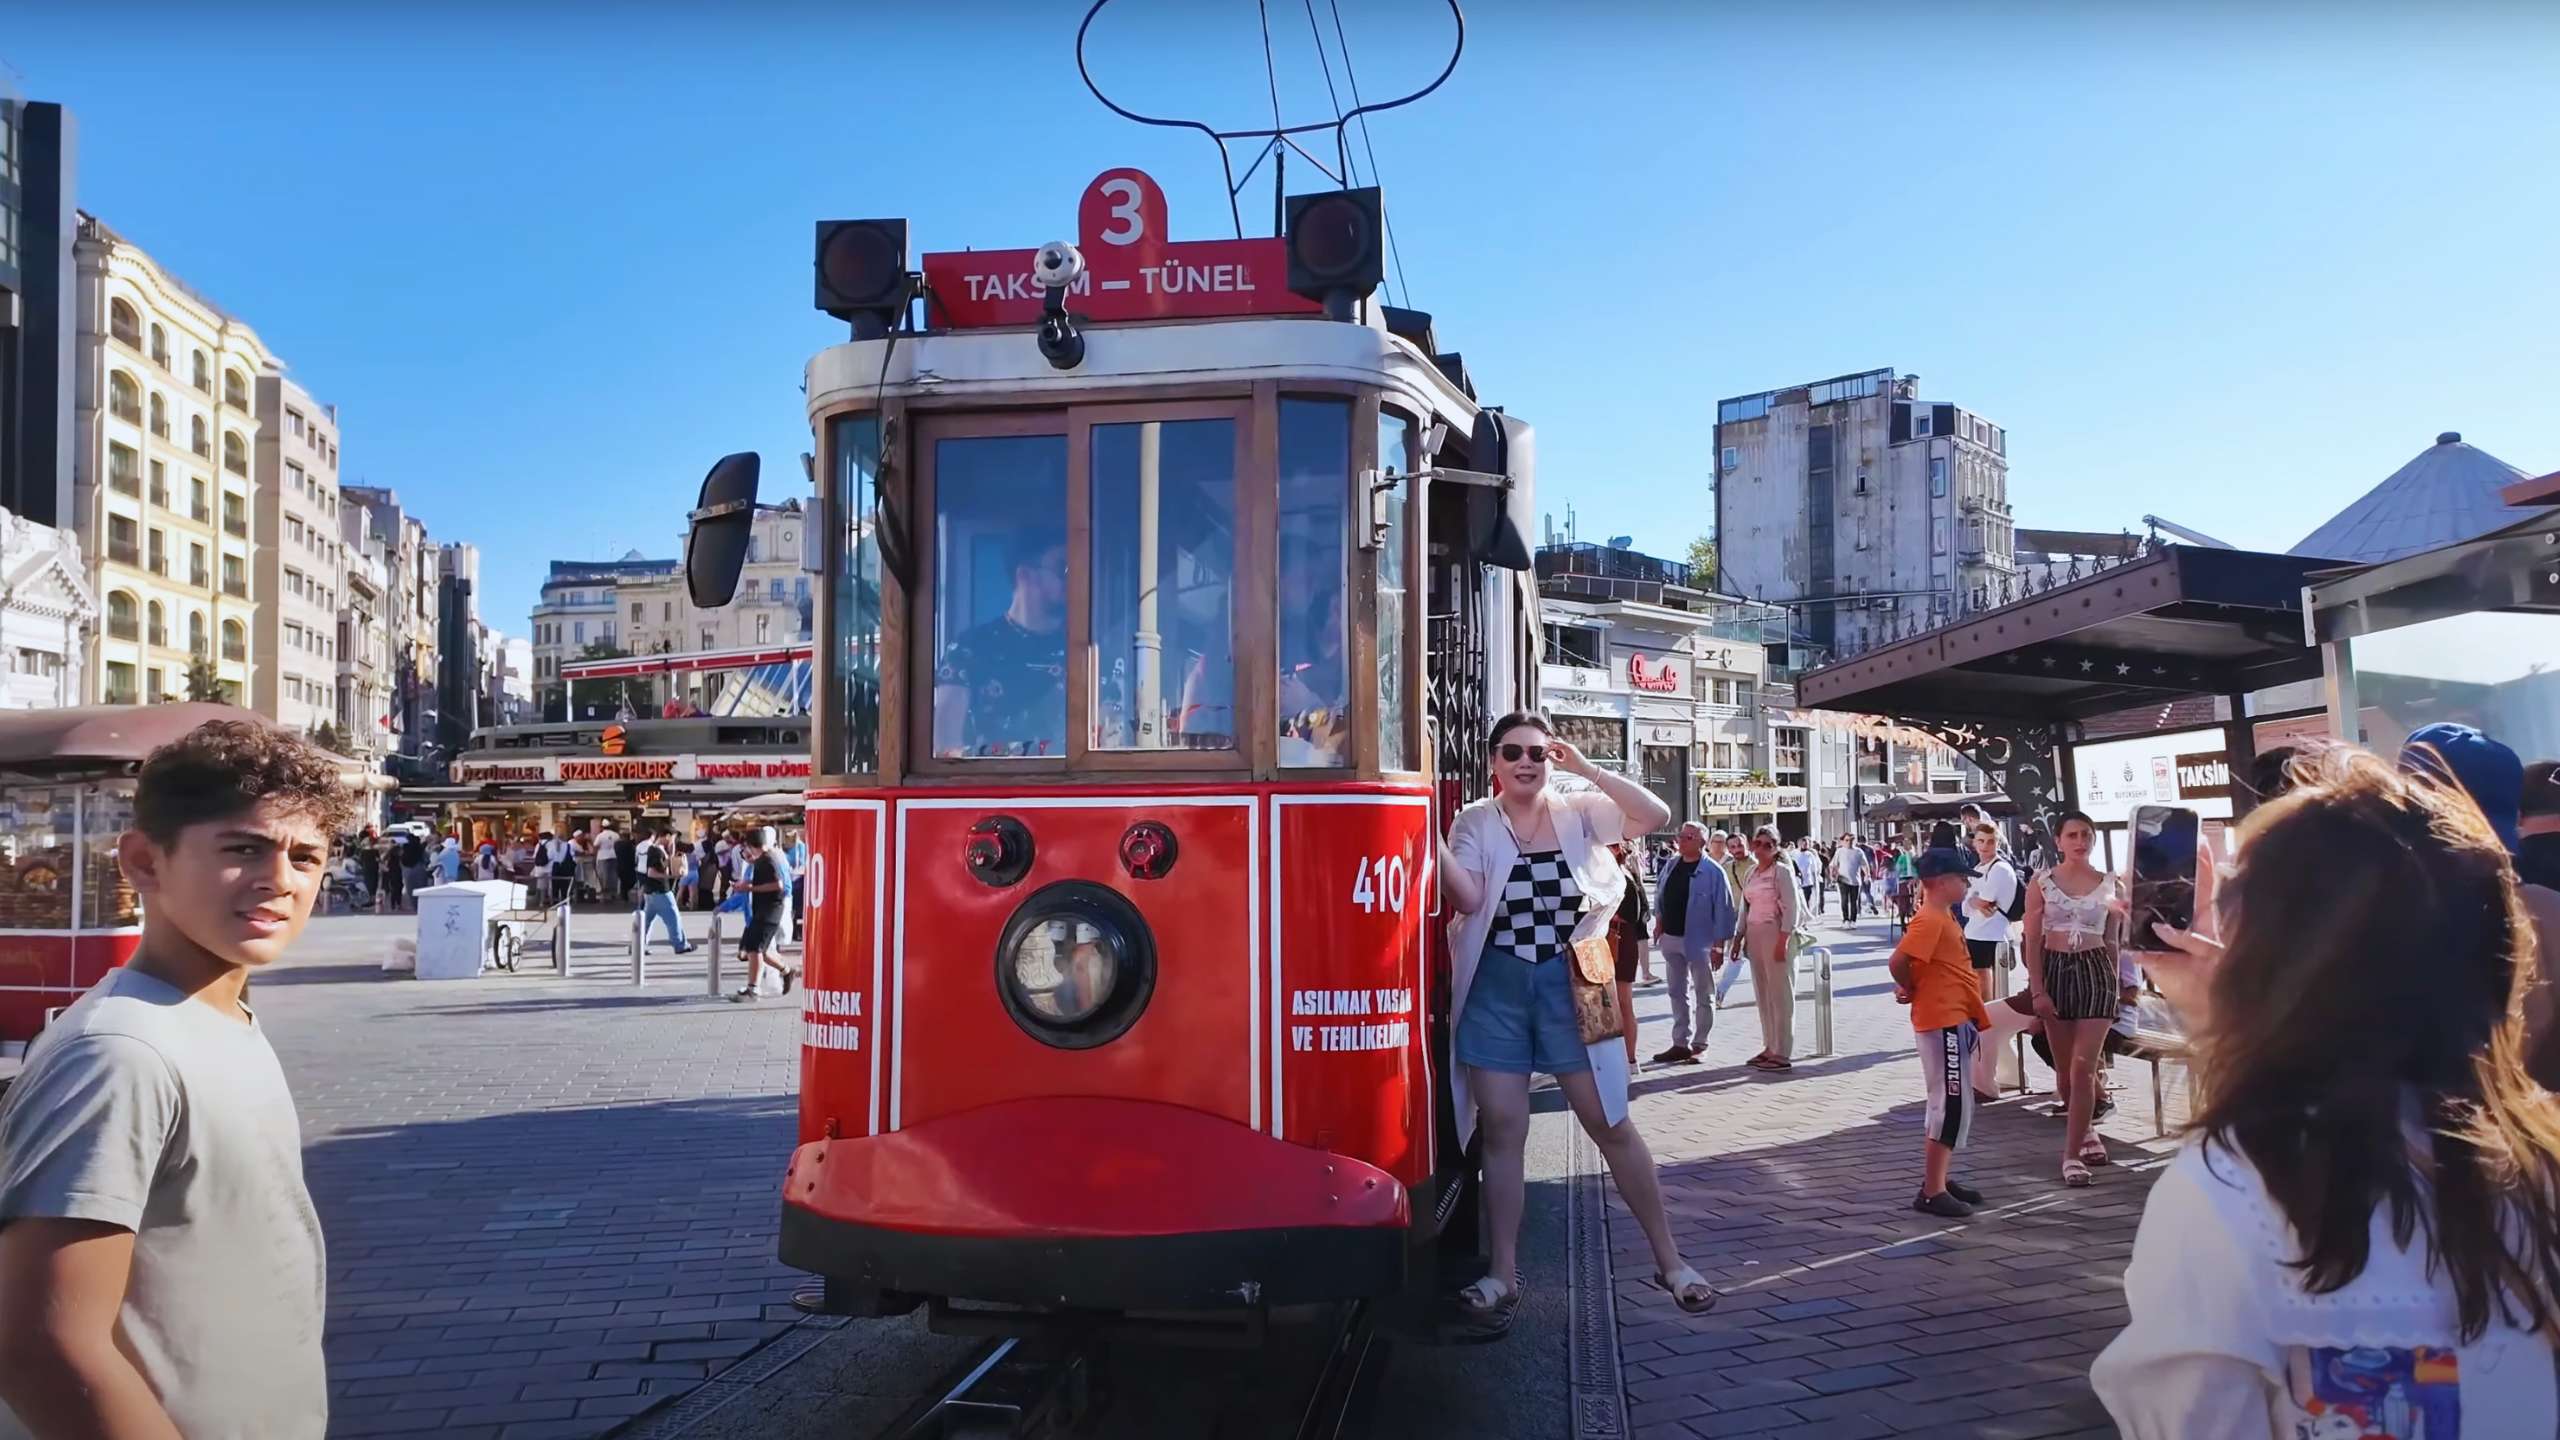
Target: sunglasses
[1514, 752]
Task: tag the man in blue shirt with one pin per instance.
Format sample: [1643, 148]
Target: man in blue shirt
[1694, 915]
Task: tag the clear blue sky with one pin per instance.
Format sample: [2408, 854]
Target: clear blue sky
[552, 260]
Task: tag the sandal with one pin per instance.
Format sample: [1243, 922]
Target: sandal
[1491, 1300]
[2075, 1174]
[2094, 1151]
[1688, 1289]
[1777, 1064]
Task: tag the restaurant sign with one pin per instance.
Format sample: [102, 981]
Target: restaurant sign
[1752, 799]
[754, 772]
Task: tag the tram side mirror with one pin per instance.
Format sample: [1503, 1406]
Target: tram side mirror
[1499, 523]
[715, 540]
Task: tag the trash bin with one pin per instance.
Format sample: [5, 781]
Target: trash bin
[453, 925]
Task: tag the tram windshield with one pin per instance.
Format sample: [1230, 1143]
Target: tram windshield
[1163, 585]
[1000, 596]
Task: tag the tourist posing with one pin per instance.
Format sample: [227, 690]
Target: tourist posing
[1527, 873]
[2071, 979]
[2361, 1235]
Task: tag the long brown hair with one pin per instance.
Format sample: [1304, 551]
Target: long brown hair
[2335, 1002]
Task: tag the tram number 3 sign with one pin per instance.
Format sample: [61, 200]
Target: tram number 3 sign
[1378, 883]
[1134, 269]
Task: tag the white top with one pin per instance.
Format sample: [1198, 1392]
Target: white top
[606, 842]
[2224, 1343]
[1808, 865]
[1586, 824]
[155, 1113]
[2081, 918]
[1998, 884]
[1849, 863]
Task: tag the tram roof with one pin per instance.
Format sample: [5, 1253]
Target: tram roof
[1007, 365]
[2186, 620]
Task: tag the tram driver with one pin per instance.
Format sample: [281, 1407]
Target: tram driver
[1000, 689]
[1315, 684]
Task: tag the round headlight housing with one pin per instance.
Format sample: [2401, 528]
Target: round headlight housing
[1075, 965]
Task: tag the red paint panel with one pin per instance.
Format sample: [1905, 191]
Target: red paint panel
[1349, 1013]
[845, 959]
[39, 972]
[1087, 1168]
[954, 1047]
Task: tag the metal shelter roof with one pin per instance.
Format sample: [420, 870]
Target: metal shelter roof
[2448, 494]
[2184, 620]
[94, 736]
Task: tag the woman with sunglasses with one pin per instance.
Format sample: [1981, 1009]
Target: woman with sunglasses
[1770, 911]
[2361, 1234]
[1527, 872]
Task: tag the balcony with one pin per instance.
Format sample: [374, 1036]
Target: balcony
[122, 695]
[236, 589]
[235, 652]
[202, 447]
[128, 411]
[160, 636]
[124, 552]
[236, 525]
[199, 578]
[236, 464]
[160, 496]
[125, 481]
[160, 427]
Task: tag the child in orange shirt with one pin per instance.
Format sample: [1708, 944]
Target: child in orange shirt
[1933, 974]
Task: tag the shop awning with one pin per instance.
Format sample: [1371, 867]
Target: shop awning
[86, 736]
[2186, 620]
[1895, 809]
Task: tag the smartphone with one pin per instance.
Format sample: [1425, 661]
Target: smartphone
[2164, 872]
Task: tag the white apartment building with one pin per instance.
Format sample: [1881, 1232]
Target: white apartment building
[773, 605]
[47, 611]
[1859, 505]
[301, 557]
[363, 704]
[410, 563]
[166, 419]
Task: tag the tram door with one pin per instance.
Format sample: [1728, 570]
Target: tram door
[1456, 712]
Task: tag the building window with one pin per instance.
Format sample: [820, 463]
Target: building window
[124, 397]
[1579, 646]
[1786, 758]
[1601, 737]
[160, 347]
[235, 390]
[1920, 417]
[235, 640]
[1937, 477]
[124, 322]
[124, 616]
[1937, 534]
[160, 484]
[578, 632]
[197, 507]
[235, 453]
[159, 415]
[1732, 458]
[195, 634]
[199, 438]
[124, 545]
[202, 372]
[293, 421]
[235, 515]
[710, 638]
[159, 552]
[764, 628]
[197, 575]
[124, 470]
[235, 577]
[1862, 532]
[636, 607]
[151, 678]
[293, 476]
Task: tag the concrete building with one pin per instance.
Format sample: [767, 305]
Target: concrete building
[47, 613]
[410, 563]
[1657, 677]
[1859, 505]
[462, 688]
[773, 605]
[364, 641]
[38, 229]
[165, 412]
[301, 558]
[580, 607]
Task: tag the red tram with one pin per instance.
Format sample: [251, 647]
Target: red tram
[1169, 588]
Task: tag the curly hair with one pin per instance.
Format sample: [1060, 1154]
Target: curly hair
[225, 768]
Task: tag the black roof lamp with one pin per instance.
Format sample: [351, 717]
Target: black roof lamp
[862, 273]
[1337, 247]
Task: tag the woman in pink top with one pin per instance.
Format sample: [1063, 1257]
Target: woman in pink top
[1769, 912]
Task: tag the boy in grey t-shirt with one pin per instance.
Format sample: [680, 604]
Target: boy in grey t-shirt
[161, 1270]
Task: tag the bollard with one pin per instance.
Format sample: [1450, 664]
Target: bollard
[1822, 1000]
[639, 947]
[560, 939]
[712, 986]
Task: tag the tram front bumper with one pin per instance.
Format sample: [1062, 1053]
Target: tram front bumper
[1094, 1204]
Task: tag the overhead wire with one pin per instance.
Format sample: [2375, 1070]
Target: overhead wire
[1376, 177]
[1342, 147]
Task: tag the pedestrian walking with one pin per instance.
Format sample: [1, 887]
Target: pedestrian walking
[654, 879]
[1808, 872]
[161, 1269]
[1769, 920]
[368, 858]
[1849, 869]
[765, 900]
[416, 864]
[1987, 901]
[2361, 1233]
[2071, 972]
[561, 865]
[689, 887]
[1528, 874]
[1933, 974]
[1733, 857]
[1694, 918]
[608, 863]
[626, 859]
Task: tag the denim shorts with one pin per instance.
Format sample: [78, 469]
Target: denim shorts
[1519, 1017]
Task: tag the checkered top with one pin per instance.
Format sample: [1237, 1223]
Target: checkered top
[1540, 904]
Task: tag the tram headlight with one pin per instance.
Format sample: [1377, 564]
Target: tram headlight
[1075, 966]
[1337, 253]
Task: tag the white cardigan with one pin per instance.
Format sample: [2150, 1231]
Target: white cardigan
[1586, 824]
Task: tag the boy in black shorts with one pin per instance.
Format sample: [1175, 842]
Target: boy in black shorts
[766, 898]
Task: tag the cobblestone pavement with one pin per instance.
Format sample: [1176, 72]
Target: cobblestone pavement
[549, 1204]
[1845, 1314]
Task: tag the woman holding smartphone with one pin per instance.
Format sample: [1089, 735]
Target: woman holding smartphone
[1528, 873]
[2361, 1234]
[2071, 979]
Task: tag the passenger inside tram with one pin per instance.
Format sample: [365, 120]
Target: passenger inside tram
[1163, 585]
[1315, 688]
[1000, 689]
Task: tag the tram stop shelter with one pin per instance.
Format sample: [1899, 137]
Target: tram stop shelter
[2467, 632]
[2010, 687]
